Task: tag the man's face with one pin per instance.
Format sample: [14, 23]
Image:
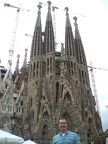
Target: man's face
[63, 125]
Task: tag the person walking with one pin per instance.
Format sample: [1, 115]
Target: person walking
[65, 136]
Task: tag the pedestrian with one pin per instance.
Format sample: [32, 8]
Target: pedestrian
[65, 136]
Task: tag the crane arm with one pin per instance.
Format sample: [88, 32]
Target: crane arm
[91, 68]
[12, 6]
[8, 5]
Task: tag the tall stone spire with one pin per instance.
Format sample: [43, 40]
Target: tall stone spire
[36, 48]
[81, 58]
[49, 32]
[80, 55]
[69, 39]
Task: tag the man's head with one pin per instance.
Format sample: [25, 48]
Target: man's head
[63, 125]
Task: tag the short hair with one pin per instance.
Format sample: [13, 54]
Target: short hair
[62, 118]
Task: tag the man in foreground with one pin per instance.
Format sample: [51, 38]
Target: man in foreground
[65, 136]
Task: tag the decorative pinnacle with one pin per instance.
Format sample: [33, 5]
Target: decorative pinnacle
[75, 18]
[18, 56]
[39, 6]
[66, 8]
[49, 2]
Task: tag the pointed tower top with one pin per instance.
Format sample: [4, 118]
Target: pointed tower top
[49, 17]
[77, 34]
[75, 18]
[39, 6]
[68, 24]
[17, 64]
[49, 3]
[38, 23]
[66, 8]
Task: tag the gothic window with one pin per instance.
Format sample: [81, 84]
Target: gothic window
[75, 67]
[30, 101]
[30, 72]
[34, 69]
[32, 114]
[37, 68]
[50, 69]
[47, 70]
[47, 61]
[86, 114]
[67, 97]
[45, 115]
[51, 61]
[44, 68]
[83, 76]
[7, 101]
[37, 65]
[57, 91]
[21, 103]
[80, 75]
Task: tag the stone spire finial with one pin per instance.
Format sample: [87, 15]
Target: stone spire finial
[77, 34]
[49, 3]
[66, 8]
[39, 6]
[17, 63]
[75, 18]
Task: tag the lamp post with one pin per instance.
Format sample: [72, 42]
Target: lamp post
[13, 122]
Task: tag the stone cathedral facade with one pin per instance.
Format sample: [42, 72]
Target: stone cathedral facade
[53, 85]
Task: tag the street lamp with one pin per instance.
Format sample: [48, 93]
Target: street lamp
[13, 122]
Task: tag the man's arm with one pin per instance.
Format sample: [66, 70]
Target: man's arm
[77, 140]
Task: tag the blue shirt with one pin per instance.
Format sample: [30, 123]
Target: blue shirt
[68, 138]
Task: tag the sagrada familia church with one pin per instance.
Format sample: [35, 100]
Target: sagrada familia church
[52, 85]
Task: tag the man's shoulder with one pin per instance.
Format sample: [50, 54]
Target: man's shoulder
[57, 135]
[72, 133]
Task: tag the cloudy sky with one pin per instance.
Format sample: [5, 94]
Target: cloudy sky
[93, 26]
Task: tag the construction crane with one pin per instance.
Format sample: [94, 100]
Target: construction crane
[94, 84]
[11, 51]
